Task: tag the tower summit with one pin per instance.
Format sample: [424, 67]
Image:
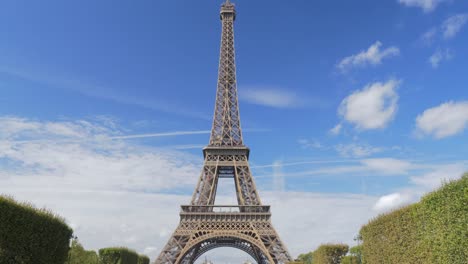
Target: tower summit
[247, 225]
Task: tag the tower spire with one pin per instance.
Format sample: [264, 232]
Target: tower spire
[226, 129]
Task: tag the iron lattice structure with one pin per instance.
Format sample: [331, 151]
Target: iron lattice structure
[246, 226]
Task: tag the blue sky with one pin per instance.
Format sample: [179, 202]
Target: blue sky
[346, 105]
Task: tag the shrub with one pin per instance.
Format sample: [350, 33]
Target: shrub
[329, 253]
[305, 258]
[142, 259]
[78, 255]
[118, 256]
[350, 260]
[30, 235]
[435, 230]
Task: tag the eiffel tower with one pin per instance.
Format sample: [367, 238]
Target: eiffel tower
[203, 225]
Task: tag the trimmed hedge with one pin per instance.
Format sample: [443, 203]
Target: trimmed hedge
[435, 230]
[118, 256]
[329, 253]
[30, 235]
[142, 259]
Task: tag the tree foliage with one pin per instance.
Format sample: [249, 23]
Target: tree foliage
[31, 235]
[142, 259]
[435, 230]
[78, 255]
[329, 253]
[119, 255]
[305, 258]
[350, 260]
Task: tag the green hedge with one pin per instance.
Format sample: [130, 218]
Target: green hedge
[329, 253]
[30, 235]
[142, 259]
[118, 256]
[435, 230]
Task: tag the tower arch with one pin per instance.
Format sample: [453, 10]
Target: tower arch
[206, 243]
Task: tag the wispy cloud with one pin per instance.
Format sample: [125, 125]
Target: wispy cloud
[336, 130]
[426, 5]
[429, 36]
[449, 29]
[372, 56]
[421, 184]
[298, 163]
[439, 56]
[278, 98]
[372, 107]
[57, 80]
[355, 150]
[66, 156]
[442, 121]
[388, 166]
[453, 25]
[165, 134]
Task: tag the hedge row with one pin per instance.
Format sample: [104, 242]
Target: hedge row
[329, 253]
[30, 235]
[121, 256]
[435, 230]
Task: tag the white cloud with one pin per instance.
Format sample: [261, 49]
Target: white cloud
[355, 150]
[373, 107]
[429, 36]
[272, 97]
[388, 165]
[392, 201]
[445, 120]
[165, 134]
[302, 230]
[453, 25]
[83, 155]
[438, 57]
[422, 184]
[426, 5]
[336, 130]
[373, 56]
[449, 29]
[436, 177]
[310, 144]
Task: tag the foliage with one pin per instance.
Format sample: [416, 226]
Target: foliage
[78, 255]
[435, 230]
[142, 259]
[329, 253]
[305, 258]
[356, 251]
[118, 256]
[31, 235]
[350, 260]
